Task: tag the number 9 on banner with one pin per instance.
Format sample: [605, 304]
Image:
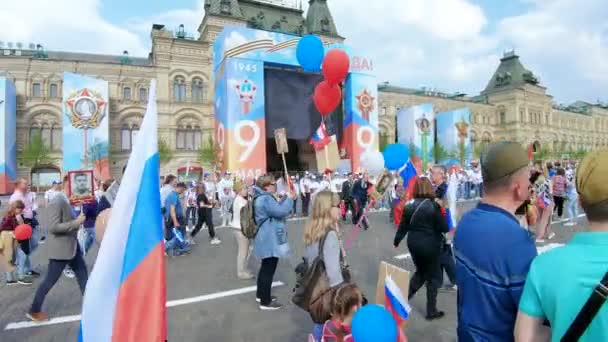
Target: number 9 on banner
[365, 138]
[248, 141]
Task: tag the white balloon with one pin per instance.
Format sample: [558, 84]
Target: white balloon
[372, 162]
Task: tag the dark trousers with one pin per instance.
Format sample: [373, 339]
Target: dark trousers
[190, 215]
[425, 255]
[206, 217]
[295, 206]
[56, 267]
[265, 276]
[359, 210]
[447, 264]
[559, 205]
[348, 204]
[305, 203]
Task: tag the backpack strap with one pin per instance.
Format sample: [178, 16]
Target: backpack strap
[253, 209]
[322, 243]
[588, 312]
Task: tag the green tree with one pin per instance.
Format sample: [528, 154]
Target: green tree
[383, 141]
[579, 154]
[440, 153]
[207, 153]
[544, 153]
[97, 152]
[36, 153]
[462, 153]
[165, 153]
[478, 150]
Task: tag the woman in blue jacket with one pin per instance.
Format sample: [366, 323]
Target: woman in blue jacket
[271, 240]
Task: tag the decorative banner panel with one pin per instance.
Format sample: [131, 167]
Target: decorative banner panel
[453, 146]
[85, 125]
[8, 142]
[416, 129]
[361, 120]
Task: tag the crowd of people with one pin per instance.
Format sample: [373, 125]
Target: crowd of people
[505, 291]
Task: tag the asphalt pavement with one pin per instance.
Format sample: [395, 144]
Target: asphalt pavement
[206, 302]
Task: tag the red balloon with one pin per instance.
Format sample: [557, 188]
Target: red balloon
[23, 232]
[335, 66]
[327, 97]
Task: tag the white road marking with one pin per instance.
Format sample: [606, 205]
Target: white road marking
[403, 256]
[170, 304]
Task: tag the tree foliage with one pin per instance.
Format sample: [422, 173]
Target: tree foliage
[36, 153]
[440, 153]
[165, 153]
[207, 153]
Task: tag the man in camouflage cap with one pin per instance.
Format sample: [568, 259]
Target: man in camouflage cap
[559, 295]
[493, 252]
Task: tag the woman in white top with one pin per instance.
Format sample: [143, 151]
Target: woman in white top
[242, 256]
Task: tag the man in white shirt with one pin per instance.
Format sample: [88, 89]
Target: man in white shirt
[336, 183]
[52, 192]
[305, 190]
[225, 195]
[296, 189]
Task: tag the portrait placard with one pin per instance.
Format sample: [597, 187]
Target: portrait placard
[280, 137]
[81, 188]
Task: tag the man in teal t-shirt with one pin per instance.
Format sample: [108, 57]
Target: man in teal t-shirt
[560, 281]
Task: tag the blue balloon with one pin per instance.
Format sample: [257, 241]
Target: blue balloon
[310, 53]
[372, 323]
[395, 156]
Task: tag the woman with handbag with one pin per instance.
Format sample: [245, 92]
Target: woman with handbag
[424, 224]
[321, 240]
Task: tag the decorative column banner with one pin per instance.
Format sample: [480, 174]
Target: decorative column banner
[416, 130]
[85, 125]
[240, 118]
[453, 146]
[8, 143]
[361, 119]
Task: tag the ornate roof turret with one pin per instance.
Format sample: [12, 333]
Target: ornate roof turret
[319, 19]
[510, 74]
[228, 8]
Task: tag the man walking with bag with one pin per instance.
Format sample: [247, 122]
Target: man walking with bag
[573, 298]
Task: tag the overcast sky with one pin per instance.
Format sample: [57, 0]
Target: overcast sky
[451, 45]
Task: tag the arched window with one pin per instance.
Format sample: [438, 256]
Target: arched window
[50, 136]
[53, 90]
[126, 93]
[502, 116]
[198, 90]
[128, 134]
[189, 138]
[179, 89]
[36, 89]
[143, 94]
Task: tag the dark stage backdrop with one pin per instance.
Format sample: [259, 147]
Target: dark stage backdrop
[289, 104]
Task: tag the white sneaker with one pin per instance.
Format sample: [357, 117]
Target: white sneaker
[69, 273]
[540, 241]
[570, 224]
[551, 236]
[215, 241]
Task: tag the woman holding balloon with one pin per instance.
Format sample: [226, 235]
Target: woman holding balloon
[12, 230]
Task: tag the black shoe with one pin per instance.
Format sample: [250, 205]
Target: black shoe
[11, 282]
[24, 281]
[33, 274]
[435, 315]
[271, 307]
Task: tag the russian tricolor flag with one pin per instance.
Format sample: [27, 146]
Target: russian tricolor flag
[409, 178]
[125, 296]
[320, 138]
[395, 302]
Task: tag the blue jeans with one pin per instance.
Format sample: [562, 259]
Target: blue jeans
[87, 240]
[572, 207]
[177, 244]
[23, 260]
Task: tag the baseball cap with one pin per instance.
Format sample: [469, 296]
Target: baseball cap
[501, 160]
[592, 178]
[56, 182]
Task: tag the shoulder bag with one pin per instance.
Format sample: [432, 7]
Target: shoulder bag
[588, 312]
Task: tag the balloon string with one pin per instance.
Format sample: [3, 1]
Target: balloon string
[353, 233]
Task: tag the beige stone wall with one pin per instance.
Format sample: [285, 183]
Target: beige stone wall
[528, 117]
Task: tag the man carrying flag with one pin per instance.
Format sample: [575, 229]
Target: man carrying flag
[126, 294]
[409, 179]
